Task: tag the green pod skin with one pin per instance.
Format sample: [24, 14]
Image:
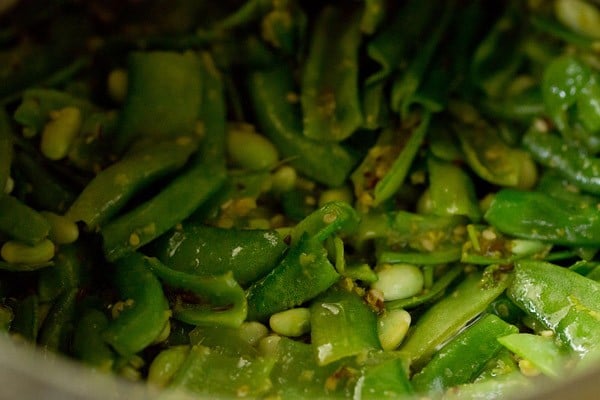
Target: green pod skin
[410, 229]
[535, 215]
[110, 190]
[491, 158]
[448, 316]
[279, 119]
[405, 87]
[88, 343]
[329, 92]
[68, 272]
[451, 190]
[227, 306]
[569, 160]
[387, 378]
[208, 372]
[342, 325]
[140, 323]
[561, 300]
[499, 56]
[336, 217]
[57, 329]
[249, 254]
[394, 178]
[226, 340]
[444, 255]
[26, 321]
[164, 97]
[543, 352]
[6, 148]
[465, 355]
[304, 273]
[48, 193]
[393, 42]
[177, 201]
[289, 376]
[21, 222]
[188, 191]
[563, 82]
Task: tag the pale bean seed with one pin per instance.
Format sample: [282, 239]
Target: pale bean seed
[392, 327]
[59, 132]
[284, 179]
[62, 230]
[117, 85]
[253, 332]
[16, 252]
[398, 281]
[336, 194]
[250, 150]
[294, 322]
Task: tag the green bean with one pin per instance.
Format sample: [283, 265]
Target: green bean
[56, 331]
[108, 192]
[488, 156]
[451, 190]
[227, 306]
[304, 273]
[88, 343]
[465, 355]
[329, 92]
[514, 212]
[406, 85]
[393, 179]
[563, 302]
[21, 222]
[570, 161]
[207, 372]
[278, 118]
[492, 69]
[144, 312]
[48, 192]
[249, 254]
[70, 271]
[342, 325]
[26, 322]
[446, 317]
[174, 203]
[331, 218]
[541, 351]
[163, 97]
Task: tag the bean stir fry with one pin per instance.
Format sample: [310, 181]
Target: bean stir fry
[292, 199]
